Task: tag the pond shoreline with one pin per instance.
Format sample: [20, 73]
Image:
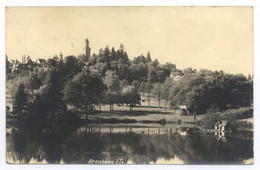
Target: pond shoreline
[149, 117]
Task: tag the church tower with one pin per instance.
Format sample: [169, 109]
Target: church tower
[87, 50]
[61, 56]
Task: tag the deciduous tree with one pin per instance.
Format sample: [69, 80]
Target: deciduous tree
[112, 94]
[84, 90]
[131, 96]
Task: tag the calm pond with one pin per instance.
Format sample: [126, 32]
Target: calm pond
[127, 144]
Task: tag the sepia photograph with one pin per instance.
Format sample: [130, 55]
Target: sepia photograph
[129, 85]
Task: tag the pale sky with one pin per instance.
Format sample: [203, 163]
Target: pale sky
[216, 38]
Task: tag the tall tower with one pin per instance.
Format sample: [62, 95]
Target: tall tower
[61, 56]
[87, 50]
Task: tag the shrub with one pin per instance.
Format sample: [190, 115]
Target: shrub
[231, 115]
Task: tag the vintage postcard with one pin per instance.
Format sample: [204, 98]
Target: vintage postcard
[129, 85]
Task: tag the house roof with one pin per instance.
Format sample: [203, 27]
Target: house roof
[41, 65]
[40, 60]
[218, 123]
[223, 123]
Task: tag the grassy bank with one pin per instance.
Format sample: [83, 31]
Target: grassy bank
[238, 119]
[142, 116]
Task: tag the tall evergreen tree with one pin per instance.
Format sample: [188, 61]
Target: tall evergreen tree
[148, 57]
[20, 99]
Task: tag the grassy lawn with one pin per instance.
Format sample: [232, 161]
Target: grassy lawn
[148, 117]
[143, 114]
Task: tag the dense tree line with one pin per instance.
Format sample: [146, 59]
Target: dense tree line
[111, 78]
[206, 90]
[141, 68]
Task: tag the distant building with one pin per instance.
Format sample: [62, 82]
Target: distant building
[176, 74]
[41, 67]
[175, 78]
[185, 107]
[29, 65]
[41, 61]
[26, 65]
[222, 126]
[88, 51]
[61, 57]
[13, 65]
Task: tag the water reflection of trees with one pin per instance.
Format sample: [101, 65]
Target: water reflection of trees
[79, 147]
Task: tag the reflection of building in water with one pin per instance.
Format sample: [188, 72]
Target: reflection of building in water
[220, 128]
[220, 136]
